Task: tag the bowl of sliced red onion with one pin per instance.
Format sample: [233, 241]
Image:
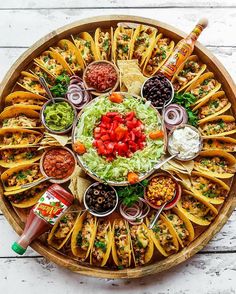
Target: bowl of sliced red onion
[174, 115]
[136, 213]
[77, 93]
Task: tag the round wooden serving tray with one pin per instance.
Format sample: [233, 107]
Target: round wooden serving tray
[222, 76]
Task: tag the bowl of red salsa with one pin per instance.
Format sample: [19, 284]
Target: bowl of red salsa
[101, 75]
[58, 163]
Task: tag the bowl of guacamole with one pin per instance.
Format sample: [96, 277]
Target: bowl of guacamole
[58, 117]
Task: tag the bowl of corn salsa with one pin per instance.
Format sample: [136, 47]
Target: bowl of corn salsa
[160, 189]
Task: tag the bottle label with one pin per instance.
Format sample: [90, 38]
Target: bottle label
[49, 208]
[181, 52]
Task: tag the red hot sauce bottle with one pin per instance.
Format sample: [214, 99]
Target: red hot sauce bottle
[43, 216]
[182, 50]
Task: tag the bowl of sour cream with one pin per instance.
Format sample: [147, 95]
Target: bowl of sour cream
[185, 141]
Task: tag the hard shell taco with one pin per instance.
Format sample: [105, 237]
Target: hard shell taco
[85, 43]
[222, 125]
[18, 137]
[208, 188]
[121, 243]
[196, 209]
[181, 224]
[215, 105]
[187, 73]
[52, 62]
[121, 43]
[13, 178]
[220, 143]
[142, 244]
[204, 87]
[71, 55]
[163, 235]
[141, 42]
[26, 197]
[101, 248]
[83, 235]
[11, 157]
[31, 83]
[20, 117]
[21, 98]
[39, 71]
[103, 43]
[63, 228]
[216, 163]
[157, 54]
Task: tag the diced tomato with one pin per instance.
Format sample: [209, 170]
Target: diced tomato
[116, 98]
[129, 115]
[119, 134]
[156, 135]
[133, 178]
[105, 137]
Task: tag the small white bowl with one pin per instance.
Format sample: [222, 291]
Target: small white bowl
[58, 99]
[98, 214]
[172, 94]
[180, 127]
[55, 180]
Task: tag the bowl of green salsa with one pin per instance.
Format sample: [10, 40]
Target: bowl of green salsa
[58, 117]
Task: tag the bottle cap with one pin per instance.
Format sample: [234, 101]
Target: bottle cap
[18, 249]
[203, 22]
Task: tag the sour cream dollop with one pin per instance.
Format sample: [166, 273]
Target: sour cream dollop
[185, 141]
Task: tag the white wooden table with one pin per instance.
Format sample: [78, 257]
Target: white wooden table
[213, 270]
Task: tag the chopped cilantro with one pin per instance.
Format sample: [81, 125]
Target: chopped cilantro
[101, 245]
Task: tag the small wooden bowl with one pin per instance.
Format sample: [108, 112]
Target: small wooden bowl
[97, 93]
[173, 202]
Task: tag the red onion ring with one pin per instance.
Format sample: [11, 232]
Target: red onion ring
[75, 95]
[175, 115]
[136, 213]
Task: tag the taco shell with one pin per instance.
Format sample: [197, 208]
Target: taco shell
[70, 54]
[12, 112]
[102, 244]
[226, 119]
[158, 237]
[22, 98]
[29, 201]
[204, 195]
[207, 103]
[33, 137]
[228, 158]
[141, 51]
[121, 43]
[79, 236]
[103, 43]
[174, 216]
[57, 67]
[177, 75]
[16, 153]
[152, 52]
[124, 243]
[203, 217]
[137, 236]
[88, 53]
[63, 228]
[227, 144]
[30, 82]
[200, 82]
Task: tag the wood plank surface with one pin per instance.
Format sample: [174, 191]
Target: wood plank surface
[53, 4]
[208, 273]
[30, 25]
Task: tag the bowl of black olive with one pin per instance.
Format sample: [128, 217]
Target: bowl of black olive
[100, 199]
[159, 90]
